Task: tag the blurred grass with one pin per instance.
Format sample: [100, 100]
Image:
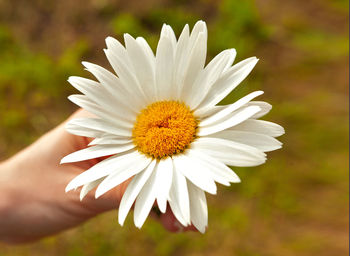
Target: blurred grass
[296, 204]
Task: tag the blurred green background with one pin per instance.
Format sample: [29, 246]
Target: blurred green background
[296, 204]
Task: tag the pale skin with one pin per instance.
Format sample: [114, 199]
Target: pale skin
[33, 202]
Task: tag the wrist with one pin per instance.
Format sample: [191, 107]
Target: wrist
[5, 195]
[7, 202]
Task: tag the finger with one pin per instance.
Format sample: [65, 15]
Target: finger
[108, 201]
[171, 224]
[79, 142]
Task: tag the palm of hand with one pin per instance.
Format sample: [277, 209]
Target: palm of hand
[35, 190]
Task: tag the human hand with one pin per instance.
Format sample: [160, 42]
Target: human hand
[33, 203]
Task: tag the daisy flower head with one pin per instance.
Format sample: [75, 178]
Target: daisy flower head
[158, 121]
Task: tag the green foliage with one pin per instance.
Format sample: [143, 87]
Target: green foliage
[27, 71]
[127, 23]
[149, 26]
[237, 25]
[340, 5]
[32, 83]
[323, 46]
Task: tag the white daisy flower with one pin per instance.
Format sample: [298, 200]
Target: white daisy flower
[158, 121]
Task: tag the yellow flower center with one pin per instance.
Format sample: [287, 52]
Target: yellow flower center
[164, 128]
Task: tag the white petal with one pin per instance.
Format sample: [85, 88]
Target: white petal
[265, 108]
[164, 65]
[107, 79]
[177, 213]
[217, 170]
[118, 177]
[100, 125]
[115, 54]
[145, 201]
[108, 115]
[235, 118]
[85, 103]
[132, 191]
[212, 111]
[178, 198]
[143, 66]
[226, 56]
[260, 141]
[88, 187]
[83, 131]
[208, 77]
[110, 140]
[145, 46]
[181, 55]
[171, 34]
[229, 152]
[183, 40]
[199, 27]
[102, 169]
[260, 126]
[95, 92]
[229, 109]
[185, 53]
[227, 82]
[194, 64]
[95, 152]
[120, 61]
[192, 171]
[126, 75]
[113, 85]
[199, 208]
[206, 169]
[164, 177]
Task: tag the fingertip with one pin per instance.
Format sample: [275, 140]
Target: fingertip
[170, 223]
[190, 228]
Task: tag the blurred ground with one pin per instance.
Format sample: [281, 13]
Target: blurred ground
[296, 204]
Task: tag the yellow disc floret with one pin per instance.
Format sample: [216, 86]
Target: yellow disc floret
[164, 128]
